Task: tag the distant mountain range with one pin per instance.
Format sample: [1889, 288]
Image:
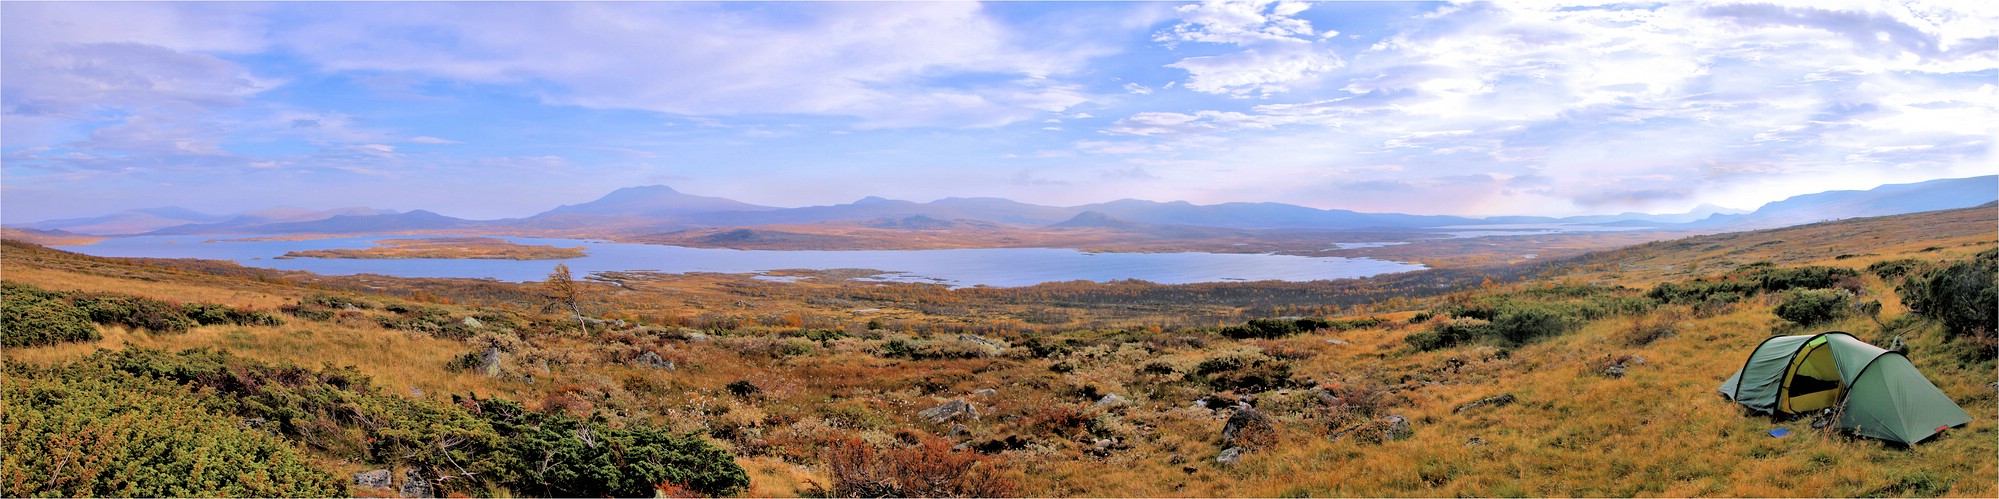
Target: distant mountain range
[655, 209]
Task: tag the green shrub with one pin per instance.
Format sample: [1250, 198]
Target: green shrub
[1891, 269]
[1517, 326]
[135, 312]
[1963, 296]
[1250, 373]
[556, 455]
[481, 445]
[1813, 306]
[1446, 334]
[30, 316]
[86, 431]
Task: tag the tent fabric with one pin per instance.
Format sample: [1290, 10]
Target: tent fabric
[1891, 401]
[1880, 393]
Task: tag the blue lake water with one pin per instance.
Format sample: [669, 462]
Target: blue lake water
[957, 267]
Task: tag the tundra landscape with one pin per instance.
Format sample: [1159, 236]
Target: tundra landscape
[954, 249]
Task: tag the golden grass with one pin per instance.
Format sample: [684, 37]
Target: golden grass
[1660, 430]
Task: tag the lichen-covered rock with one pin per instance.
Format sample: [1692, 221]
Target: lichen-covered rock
[1248, 428]
[374, 479]
[1230, 455]
[1493, 401]
[1112, 400]
[955, 410]
[653, 360]
[414, 485]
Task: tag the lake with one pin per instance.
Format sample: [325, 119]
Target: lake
[1003, 267]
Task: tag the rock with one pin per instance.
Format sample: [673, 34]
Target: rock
[415, 486]
[489, 362]
[1493, 401]
[1331, 341]
[1248, 427]
[374, 479]
[1475, 442]
[472, 323]
[1112, 400]
[653, 360]
[696, 337]
[1614, 371]
[1230, 455]
[992, 347]
[1398, 429]
[956, 409]
[416, 392]
[1176, 459]
[1327, 397]
[985, 392]
[1898, 345]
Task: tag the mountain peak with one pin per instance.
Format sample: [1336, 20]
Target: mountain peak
[653, 200]
[1093, 219]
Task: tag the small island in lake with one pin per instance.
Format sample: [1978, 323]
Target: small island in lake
[447, 247]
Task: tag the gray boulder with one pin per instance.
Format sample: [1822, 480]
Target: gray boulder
[955, 410]
[1493, 401]
[1112, 400]
[489, 362]
[1248, 427]
[1230, 455]
[1398, 429]
[374, 479]
[653, 360]
[415, 486]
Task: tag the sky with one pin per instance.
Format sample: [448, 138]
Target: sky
[494, 110]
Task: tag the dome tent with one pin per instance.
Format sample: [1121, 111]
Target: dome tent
[1878, 392]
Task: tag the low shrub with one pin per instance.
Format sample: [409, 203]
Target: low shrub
[1964, 296]
[927, 467]
[30, 316]
[88, 431]
[1813, 306]
[1242, 372]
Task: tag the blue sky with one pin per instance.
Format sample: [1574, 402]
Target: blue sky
[488, 110]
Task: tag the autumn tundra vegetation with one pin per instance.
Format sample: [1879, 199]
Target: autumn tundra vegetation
[1592, 375]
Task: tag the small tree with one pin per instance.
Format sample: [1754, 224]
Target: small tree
[562, 289]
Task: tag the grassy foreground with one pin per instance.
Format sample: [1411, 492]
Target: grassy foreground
[1131, 408]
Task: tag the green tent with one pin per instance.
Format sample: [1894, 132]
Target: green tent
[1878, 392]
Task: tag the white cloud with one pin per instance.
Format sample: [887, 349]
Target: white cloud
[1277, 50]
[883, 63]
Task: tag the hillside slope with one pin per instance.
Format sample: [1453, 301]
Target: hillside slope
[839, 384]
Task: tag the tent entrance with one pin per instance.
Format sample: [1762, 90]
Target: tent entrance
[1812, 381]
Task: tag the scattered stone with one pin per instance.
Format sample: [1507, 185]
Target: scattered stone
[1475, 442]
[416, 392]
[1333, 341]
[415, 486]
[992, 347]
[696, 337]
[1189, 469]
[653, 360]
[1993, 385]
[374, 479]
[957, 431]
[1898, 345]
[1176, 459]
[985, 392]
[489, 362]
[1614, 367]
[1493, 401]
[1112, 400]
[1327, 397]
[1230, 455]
[472, 323]
[1398, 429]
[1248, 427]
[956, 409]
